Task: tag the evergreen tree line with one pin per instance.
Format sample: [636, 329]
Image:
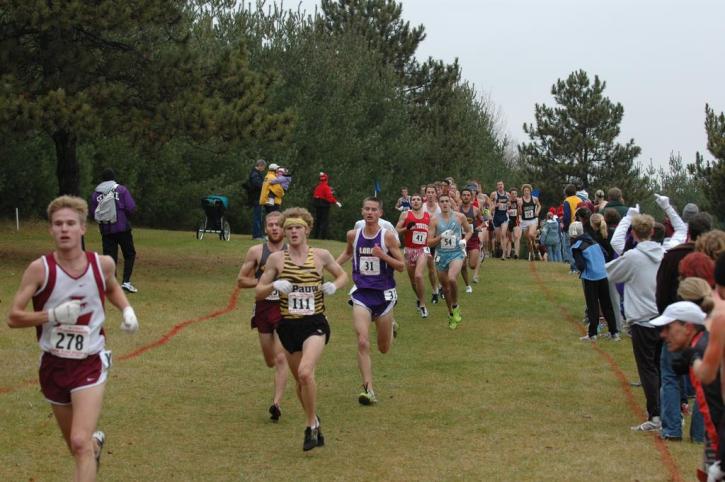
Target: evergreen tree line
[181, 98]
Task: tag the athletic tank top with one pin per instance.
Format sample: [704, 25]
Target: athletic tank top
[470, 216]
[418, 236]
[369, 271]
[86, 337]
[501, 202]
[513, 210]
[529, 209]
[405, 203]
[274, 295]
[306, 297]
[452, 243]
[435, 211]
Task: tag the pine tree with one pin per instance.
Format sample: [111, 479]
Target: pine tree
[711, 174]
[77, 69]
[575, 142]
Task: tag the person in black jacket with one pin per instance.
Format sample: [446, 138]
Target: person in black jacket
[254, 190]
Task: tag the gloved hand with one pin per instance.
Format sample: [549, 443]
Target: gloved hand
[447, 234]
[283, 286]
[715, 473]
[681, 364]
[130, 322]
[633, 211]
[65, 313]
[339, 204]
[410, 225]
[462, 244]
[662, 201]
[329, 288]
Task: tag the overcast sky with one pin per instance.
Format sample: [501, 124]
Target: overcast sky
[661, 59]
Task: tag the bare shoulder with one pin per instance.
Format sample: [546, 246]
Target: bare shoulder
[276, 257]
[107, 263]
[255, 252]
[321, 254]
[35, 271]
[350, 236]
[390, 236]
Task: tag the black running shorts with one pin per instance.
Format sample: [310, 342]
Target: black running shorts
[293, 332]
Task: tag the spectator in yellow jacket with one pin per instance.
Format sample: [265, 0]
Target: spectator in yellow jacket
[272, 194]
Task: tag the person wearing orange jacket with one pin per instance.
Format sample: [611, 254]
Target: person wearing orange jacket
[322, 199]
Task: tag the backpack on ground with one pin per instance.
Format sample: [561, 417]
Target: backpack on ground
[105, 212]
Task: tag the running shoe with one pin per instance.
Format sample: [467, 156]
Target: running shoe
[653, 425]
[127, 286]
[476, 279]
[469, 289]
[100, 439]
[423, 312]
[434, 298]
[452, 322]
[592, 338]
[616, 337]
[311, 438]
[367, 396]
[441, 293]
[457, 314]
[275, 412]
[395, 329]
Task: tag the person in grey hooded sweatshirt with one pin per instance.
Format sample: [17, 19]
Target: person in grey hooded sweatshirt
[637, 269]
[118, 233]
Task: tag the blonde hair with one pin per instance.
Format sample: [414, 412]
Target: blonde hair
[598, 223]
[525, 186]
[75, 203]
[696, 290]
[642, 226]
[711, 243]
[299, 213]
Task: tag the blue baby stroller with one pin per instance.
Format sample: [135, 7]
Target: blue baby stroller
[214, 221]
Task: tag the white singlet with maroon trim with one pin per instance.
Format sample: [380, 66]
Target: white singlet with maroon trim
[59, 287]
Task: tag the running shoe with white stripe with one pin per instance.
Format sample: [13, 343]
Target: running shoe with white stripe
[654, 425]
[100, 439]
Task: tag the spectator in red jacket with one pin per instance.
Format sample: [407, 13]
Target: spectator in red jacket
[322, 199]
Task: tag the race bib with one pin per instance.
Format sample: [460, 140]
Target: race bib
[301, 303]
[420, 237]
[390, 295]
[273, 296]
[369, 265]
[426, 250]
[529, 212]
[70, 341]
[448, 243]
[513, 212]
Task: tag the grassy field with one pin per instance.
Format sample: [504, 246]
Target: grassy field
[511, 395]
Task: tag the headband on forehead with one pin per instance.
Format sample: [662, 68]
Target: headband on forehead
[295, 222]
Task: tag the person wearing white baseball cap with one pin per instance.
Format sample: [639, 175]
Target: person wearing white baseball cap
[683, 329]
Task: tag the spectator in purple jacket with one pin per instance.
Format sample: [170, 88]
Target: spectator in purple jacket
[117, 234]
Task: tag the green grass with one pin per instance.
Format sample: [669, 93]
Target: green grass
[511, 395]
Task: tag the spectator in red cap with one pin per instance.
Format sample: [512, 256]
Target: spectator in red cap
[322, 199]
